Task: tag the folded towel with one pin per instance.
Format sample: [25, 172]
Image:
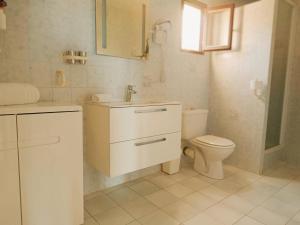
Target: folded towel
[18, 93]
[101, 98]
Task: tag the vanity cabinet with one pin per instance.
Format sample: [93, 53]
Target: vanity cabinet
[125, 138]
[41, 165]
[10, 212]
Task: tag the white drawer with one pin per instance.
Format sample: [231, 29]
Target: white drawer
[133, 155]
[139, 122]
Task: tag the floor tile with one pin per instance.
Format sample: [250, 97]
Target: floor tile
[238, 204]
[214, 193]
[202, 219]
[162, 198]
[228, 186]
[280, 207]
[180, 210]
[194, 183]
[293, 222]
[297, 217]
[162, 181]
[115, 216]
[179, 190]
[189, 172]
[134, 223]
[224, 214]
[275, 181]
[178, 177]
[158, 218]
[123, 195]
[206, 179]
[293, 187]
[267, 217]
[199, 201]
[90, 222]
[288, 198]
[248, 221]
[111, 189]
[139, 208]
[99, 204]
[144, 188]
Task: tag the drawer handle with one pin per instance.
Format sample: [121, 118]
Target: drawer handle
[151, 110]
[150, 142]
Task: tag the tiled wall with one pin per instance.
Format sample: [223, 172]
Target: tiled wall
[293, 117]
[38, 31]
[236, 113]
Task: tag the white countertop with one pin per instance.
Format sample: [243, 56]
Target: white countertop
[134, 104]
[42, 107]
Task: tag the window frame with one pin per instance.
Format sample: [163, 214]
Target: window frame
[205, 11]
[203, 7]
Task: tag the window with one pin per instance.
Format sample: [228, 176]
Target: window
[206, 28]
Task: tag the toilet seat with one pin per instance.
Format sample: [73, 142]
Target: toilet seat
[213, 141]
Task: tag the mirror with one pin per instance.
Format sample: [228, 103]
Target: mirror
[121, 28]
[219, 25]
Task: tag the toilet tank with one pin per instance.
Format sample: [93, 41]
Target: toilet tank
[194, 123]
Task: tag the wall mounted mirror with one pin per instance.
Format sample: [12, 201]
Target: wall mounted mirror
[121, 28]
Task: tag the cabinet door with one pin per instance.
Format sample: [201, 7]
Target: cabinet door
[10, 213]
[51, 174]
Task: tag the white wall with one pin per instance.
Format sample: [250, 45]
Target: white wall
[38, 31]
[235, 112]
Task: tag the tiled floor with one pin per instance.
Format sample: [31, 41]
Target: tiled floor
[188, 198]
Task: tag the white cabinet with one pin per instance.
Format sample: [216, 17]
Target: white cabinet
[50, 149]
[125, 139]
[41, 171]
[10, 212]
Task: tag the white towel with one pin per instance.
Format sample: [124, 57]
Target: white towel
[18, 93]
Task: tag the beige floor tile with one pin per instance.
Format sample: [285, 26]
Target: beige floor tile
[195, 183]
[189, 172]
[144, 188]
[202, 219]
[241, 179]
[179, 190]
[114, 188]
[199, 201]
[180, 210]
[297, 217]
[214, 193]
[115, 216]
[99, 204]
[293, 187]
[86, 215]
[228, 186]
[123, 195]
[178, 177]
[267, 217]
[162, 181]
[207, 179]
[293, 222]
[257, 192]
[90, 222]
[288, 198]
[281, 208]
[134, 223]
[224, 214]
[275, 181]
[139, 207]
[238, 204]
[158, 218]
[162, 198]
[133, 182]
[248, 221]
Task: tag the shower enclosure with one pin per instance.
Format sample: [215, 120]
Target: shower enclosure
[282, 58]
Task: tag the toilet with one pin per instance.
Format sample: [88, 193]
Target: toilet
[208, 151]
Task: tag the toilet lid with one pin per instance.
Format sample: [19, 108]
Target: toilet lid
[214, 141]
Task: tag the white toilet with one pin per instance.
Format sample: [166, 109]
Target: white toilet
[208, 151]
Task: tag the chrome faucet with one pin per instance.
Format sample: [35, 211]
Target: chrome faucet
[130, 91]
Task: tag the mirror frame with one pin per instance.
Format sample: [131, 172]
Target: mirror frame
[101, 31]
